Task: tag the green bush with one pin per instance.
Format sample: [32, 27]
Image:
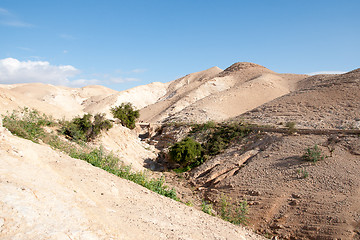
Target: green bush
[27, 124]
[186, 152]
[291, 126]
[85, 128]
[126, 114]
[236, 214]
[220, 138]
[313, 154]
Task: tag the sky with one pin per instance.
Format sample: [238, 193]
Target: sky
[122, 44]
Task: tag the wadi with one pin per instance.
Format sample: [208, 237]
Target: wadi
[239, 153]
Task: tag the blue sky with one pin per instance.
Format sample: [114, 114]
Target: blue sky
[122, 44]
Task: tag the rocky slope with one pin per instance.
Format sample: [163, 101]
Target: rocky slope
[322, 101]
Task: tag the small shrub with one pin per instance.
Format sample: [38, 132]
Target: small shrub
[126, 114]
[303, 173]
[207, 208]
[291, 127]
[313, 154]
[236, 214]
[186, 152]
[85, 128]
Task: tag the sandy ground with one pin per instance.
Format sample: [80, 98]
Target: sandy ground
[48, 195]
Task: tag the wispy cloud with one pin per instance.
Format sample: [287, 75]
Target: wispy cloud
[139, 70]
[326, 72]
[9, 19]
[133, 71]
[3, 11]
[25, 49]
[67, 36]
[123, 80]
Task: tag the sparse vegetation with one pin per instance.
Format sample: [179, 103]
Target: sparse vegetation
[313, 154]
[27, 123]
[126, 114]
[303, 173]
[207, 208]
[236, 214]
[85, 128]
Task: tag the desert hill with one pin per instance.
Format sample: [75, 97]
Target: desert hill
[199, 96]
[321, 101]
[287, 196]
[220, 94]
[290, 197]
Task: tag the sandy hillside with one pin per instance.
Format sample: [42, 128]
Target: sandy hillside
[63, 102]
[139, 96]
[48, 195]
[322, 101]
[125, 144]
[176, 97]
[69, 102]
[221, 94]
[52, 100]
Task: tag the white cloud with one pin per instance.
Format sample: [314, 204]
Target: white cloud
[123, 80]
[326, 72]
[9, 19]
[15, 71]
[83, 82]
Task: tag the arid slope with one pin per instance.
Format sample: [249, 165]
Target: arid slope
[290, 197]
[220, 94]
[48, 195]
[322, 101]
